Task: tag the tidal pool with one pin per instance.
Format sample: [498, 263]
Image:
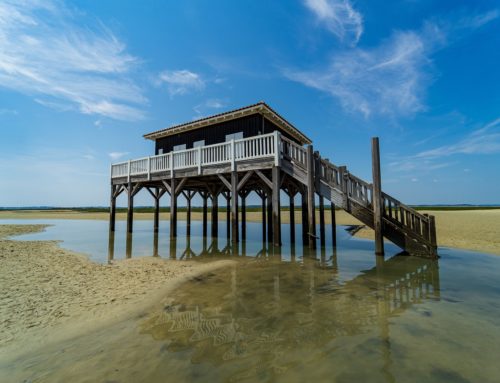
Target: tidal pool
[335, 315]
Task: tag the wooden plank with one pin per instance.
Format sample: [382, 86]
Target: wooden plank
[377, 198]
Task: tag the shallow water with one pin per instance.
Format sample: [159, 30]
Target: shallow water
[339, 315]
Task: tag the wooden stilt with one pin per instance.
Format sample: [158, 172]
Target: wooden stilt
[112, 209]
[311, 214]
[111, 246]
[228, 215]
[334, 225]
[234, 207]
[215, 215]
[128, 246]
[305, 224]
[130, 208]
[173, 209]
[205, 211]
[377, 198]
[157, 211]
[276, 206]
[292, 217]
[155, 245]
[269, 200]
[243, 217]
[322, 221]
[264, 220]
[188, 213]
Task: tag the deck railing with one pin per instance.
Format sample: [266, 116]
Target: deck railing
[231, 152]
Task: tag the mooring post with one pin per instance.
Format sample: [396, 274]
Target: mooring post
[130, 208]
[334, 225]
[276, 179]
[322, 235]
[156, 211]
[377, 198]
[305, 224]
[311, 214]
[243, 217]
[112, 210]
[292, 217]
[173, 208]
[234, 206]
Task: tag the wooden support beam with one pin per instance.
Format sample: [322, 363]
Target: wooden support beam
[334, 225]
[269, 200]
[156, 211]
[112, 209]
[178, 188]
[173, 208]
[266, 180]
[377, 198]
[322, 221]
[243, 217]
[276, 205]
[305, 223]
[292, 217]
[215, 215]
[224, 181]
[228, 214]
[205, 210]
[244, 180]
[234, 207]
[263, 197]
[311, 216]
[130, 208]
[432, 234]
[167, 186]
[189, 196]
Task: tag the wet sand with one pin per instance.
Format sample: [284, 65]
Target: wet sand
[477, 230]
[50, 294]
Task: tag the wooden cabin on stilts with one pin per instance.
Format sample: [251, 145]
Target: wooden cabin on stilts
[255, 149]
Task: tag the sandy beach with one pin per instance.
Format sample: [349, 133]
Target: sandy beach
[477, 230]
[52, 293]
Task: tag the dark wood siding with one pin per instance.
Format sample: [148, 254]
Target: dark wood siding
[250, 126]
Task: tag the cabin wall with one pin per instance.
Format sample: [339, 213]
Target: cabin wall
[253, 125]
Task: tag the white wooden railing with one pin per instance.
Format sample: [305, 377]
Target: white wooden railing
[271, 145]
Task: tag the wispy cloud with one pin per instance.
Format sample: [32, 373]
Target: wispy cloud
[181, 81]
[86, 68]
[390, 78]
[117, 155]
[339, 17]
[482, 141]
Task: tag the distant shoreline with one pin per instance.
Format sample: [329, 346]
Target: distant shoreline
[468, 229]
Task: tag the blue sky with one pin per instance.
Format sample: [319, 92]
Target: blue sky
[80, 82]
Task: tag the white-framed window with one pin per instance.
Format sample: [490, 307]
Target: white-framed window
[179, 147]
[197, 144]
[234, 136]
[160, 151]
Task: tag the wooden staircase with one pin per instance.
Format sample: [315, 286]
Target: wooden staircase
[413, 232]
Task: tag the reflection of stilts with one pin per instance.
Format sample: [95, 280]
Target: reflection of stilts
[128, 248]
[111, 246]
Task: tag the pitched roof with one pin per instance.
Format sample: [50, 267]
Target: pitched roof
[261, 108]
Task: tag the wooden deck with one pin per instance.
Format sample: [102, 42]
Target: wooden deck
[267, 164]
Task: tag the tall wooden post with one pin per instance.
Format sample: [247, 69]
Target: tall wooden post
[130, 208]
[215, 215]
[305, 224]
[234, 207]
[311, 214]
[276, 179]
[188, 213]
[322, 235]
[205, 211]
[269, 217]
[173, 209]
[155, 245]
[432, 234]
[243, 217]
[128, 246]
[228, 215]
[377, 198]
[264, 231]
[334, 225]
[111, 246]
[112, 210]
[292, 217]
[156, 211]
